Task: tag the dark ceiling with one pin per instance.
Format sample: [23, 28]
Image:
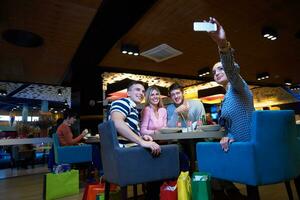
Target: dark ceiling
[82, 38]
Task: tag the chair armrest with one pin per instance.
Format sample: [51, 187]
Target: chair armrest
[235, 165]
[139, 161]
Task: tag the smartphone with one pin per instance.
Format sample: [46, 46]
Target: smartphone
[205, 26]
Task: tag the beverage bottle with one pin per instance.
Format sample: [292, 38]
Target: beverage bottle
[178, 124]
[189, 126]
[199, 123]
[203, 120]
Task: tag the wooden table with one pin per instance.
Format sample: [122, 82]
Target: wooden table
[189, 140]
[189, 135]
[9, 142]
[92, 140]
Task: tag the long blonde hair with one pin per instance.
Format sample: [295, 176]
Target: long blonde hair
[148, 95]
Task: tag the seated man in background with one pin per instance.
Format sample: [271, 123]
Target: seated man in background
[64, 131]
[182, 110]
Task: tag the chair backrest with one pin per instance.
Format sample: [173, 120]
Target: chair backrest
[127, 166]
[275, 143]
[109, 144]
[56, 145]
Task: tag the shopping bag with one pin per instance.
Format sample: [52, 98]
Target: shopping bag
[168, 191]
[184, 186]
[61, 184]
[201, 186]
[96, 190]
[100, 196]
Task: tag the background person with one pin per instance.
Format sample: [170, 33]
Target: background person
[64, 131]
[154, 115]
[183, 110]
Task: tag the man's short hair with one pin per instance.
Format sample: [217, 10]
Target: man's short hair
[69, 113]
[134, 83]
[175, 86]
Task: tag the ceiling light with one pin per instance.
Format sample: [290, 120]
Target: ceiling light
[262, 76]
[130, 49]
[59, 92]
[3, 92]
[288, 82]
[295, 87]
[65, 102]
[269, 33]
[204, 72]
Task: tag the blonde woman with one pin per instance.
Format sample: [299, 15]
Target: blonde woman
[154, 115]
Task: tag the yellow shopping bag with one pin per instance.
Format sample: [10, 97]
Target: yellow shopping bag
[184, 186]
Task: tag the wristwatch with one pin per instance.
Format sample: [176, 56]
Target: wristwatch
[226, 48]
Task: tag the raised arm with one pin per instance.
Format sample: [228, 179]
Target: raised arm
[231, 68]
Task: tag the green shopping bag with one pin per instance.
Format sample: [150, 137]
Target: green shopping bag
[201, 186]
[61, 184]
[100, 197]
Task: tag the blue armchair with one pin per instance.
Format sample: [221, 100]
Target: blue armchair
[272, 155]
[71, 154]
[134, 165]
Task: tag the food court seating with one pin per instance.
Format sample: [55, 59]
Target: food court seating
[272, 156]
[134, 165]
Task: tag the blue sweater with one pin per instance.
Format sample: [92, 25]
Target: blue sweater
[237, 106]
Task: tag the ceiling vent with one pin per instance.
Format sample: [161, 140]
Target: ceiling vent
[161, 53]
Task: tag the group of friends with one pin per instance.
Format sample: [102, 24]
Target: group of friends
[235, 117]
[236, 110]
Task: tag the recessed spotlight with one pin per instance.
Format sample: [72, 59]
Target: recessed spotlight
[288, 82]
[59, 92]
[3, 92]
[295, 88]
[204, 72]
[269, 33]
[130, 49]
[65, 102]
[262, 76]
